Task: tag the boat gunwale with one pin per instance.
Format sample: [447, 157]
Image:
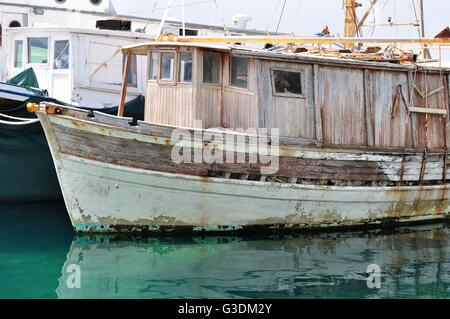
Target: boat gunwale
[157, 130]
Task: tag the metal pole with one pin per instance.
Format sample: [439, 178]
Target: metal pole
[426, 51]
[166, 14]
[183, 18]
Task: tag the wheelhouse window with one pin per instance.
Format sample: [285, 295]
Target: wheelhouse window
[287, 83]
[239, 72]
[167, 68]
[185, 67]
[18, 54]
[61, 61]
[132, 73]
[211, 67]
[188, 32]
[38, 50]
[154, 60]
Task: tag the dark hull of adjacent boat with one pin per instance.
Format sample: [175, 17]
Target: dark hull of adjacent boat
[26, 166]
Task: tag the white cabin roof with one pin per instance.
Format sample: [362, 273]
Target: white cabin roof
[50, 29]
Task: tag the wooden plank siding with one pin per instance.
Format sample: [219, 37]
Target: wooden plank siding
[391, 124]
[171, 105]
[341, 97]
[431, 127]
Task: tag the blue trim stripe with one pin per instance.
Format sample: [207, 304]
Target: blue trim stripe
[16, 93]
[14, 85]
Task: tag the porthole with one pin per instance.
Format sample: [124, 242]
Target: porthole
[60, 1]
[15, 24]
[96, 2]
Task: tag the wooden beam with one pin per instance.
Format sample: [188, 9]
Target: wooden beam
[424, 110]
[413, 116]
[317, 106]
[123, 93]
[370, 127]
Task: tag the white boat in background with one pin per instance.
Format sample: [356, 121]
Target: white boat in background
[78, 66]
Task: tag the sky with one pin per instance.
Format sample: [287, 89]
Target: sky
[302, 17]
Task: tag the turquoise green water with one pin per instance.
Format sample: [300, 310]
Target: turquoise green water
[38, 251]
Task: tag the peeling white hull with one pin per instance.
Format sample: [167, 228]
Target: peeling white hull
[106, 198]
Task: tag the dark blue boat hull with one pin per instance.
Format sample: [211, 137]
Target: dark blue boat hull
[27, 173]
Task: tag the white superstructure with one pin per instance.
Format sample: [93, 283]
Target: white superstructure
[76, 65]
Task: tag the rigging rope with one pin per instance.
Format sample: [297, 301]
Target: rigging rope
[281, 16]
[273, 17]
[376, 17]
[225, 28]
[150, 15]
[297, 14]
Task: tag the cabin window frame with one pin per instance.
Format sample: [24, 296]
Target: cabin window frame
[54, 57]
[173, 81]
[16, 56]
[221, 70]
[230, 64]
[150, 65]
[28, 50]
[178, 75]
[302, 95]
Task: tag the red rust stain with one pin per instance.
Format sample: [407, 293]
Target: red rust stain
[420, 205]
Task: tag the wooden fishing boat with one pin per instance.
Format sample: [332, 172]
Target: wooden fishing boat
[362, 143]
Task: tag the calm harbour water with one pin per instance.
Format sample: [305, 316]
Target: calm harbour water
[38, 247]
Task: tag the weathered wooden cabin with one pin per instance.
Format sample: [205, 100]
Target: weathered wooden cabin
[329, 101]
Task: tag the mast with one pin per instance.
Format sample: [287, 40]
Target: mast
[351, 23]
[426, 51]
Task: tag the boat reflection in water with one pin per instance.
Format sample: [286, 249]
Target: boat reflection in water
[414, 263]
[34, 240]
